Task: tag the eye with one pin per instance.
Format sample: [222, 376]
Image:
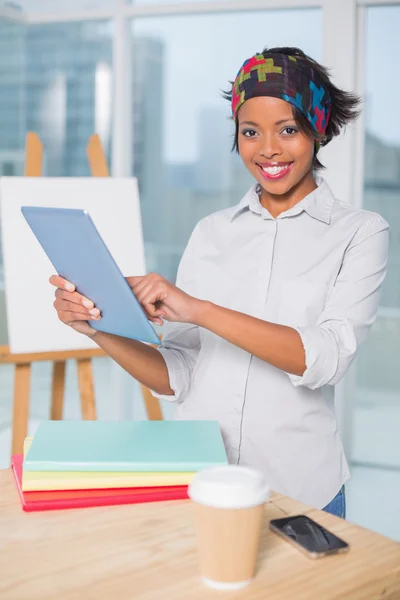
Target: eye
[289, 130]
[249, 133]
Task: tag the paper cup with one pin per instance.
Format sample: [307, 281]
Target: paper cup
[229, 507]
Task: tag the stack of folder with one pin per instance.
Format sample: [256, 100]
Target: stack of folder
[71, 464]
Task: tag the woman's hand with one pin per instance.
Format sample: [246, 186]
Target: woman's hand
[161, 299]
[72, 308]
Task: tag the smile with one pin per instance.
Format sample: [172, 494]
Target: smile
[275, 171]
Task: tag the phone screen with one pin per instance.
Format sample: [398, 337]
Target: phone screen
[308, 534]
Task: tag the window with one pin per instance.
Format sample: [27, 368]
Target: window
[69, 90]
[56, 80]
[377, 401]
[12, 85]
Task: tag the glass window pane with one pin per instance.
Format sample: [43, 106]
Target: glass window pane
[377, 410]
[69, 87]
[182, 129]
[56, 80]
[12, 95]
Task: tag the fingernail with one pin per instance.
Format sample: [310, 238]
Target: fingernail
[88, 304]
[69, 287]
[94, 312]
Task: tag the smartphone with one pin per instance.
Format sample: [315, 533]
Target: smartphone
[305, 534]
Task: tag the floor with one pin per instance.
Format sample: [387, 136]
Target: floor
[373, 492]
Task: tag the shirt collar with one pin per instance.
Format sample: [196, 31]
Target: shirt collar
[318, 204]
[249, 201]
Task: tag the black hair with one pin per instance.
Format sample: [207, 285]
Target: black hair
[345, 105]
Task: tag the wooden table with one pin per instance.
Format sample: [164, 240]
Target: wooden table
[148, 551]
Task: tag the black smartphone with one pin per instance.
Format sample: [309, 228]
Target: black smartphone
[309, 537]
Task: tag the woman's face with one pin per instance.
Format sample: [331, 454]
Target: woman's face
[271, 146]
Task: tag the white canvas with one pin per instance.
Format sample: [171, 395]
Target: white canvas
[114, 206]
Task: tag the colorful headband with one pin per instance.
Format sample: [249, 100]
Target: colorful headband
[279, 75]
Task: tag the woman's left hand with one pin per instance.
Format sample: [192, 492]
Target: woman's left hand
[160, 299]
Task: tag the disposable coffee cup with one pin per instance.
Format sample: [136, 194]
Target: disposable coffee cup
[228, 505]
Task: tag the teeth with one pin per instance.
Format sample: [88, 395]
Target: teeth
[274, 170]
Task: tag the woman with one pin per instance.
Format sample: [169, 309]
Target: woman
[273, 296]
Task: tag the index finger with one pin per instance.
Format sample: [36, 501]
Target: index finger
[62, 283]
[134, 279]
[133, 282]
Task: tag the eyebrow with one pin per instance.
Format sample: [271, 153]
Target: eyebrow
[253, 124]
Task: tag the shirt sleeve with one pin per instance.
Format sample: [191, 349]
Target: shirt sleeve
[330, 346]
[180, 345]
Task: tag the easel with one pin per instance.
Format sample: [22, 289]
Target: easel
[23, 362]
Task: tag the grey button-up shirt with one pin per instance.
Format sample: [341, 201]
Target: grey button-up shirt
[318, 268]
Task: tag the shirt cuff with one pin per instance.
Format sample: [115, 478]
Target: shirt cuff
[321, 355]
[175, 373]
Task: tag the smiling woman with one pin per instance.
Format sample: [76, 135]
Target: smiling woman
[273, 295]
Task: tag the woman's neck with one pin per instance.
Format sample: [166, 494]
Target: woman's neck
[277, 204]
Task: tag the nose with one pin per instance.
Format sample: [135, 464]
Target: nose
[270, 146]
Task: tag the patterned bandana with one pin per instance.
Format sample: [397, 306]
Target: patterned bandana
[278, 75]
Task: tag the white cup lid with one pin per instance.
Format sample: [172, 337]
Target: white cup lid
[230, 486]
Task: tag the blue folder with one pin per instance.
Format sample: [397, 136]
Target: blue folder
[126, 446]
[79, 254]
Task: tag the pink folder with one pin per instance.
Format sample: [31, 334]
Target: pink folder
[52, 500]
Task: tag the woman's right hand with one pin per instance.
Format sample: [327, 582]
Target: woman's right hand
[72, 308]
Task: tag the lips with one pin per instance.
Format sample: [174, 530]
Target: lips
[274, 171]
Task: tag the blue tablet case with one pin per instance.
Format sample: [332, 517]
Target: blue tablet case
[79, 254]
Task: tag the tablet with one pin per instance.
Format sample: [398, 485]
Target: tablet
[78, 253]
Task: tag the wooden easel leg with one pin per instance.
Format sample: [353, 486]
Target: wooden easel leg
[33, 168]
[153, 407]
[57, 391]
[86, 388]
[21, 406]
[33, 155]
